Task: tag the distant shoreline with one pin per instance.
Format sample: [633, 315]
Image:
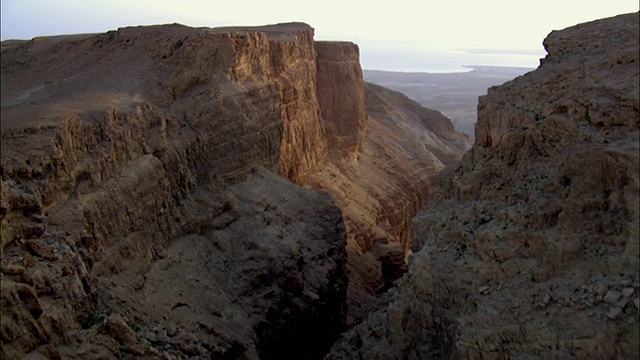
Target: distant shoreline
[455, 94]
[466, 69]
[498, 67]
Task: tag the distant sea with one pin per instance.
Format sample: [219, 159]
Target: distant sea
[448, 61]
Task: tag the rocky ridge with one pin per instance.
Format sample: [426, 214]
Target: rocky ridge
[145, 211]
[530, 250]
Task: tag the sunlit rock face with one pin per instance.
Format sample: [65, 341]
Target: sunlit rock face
[341, 97]
[530, 250]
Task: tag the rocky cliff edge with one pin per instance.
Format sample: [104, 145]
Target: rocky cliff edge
[531, 249]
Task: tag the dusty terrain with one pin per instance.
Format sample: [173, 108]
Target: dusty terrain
[160, 192]
[530, 250]
[454, 94]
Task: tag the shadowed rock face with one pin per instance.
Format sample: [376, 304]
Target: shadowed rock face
[531, 248]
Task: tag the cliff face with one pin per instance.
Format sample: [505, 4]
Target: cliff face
[531, 249]
[341, 97]
[140, 211]
[200, 74]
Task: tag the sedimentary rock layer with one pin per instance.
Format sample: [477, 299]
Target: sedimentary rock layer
[341, 97]
[531, 250]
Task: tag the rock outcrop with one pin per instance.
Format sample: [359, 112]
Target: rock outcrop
[141, 212]
[341, 97]
[531, 249]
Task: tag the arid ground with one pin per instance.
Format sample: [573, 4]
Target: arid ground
[453, 94]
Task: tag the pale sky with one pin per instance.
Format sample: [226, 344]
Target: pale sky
[427, 35]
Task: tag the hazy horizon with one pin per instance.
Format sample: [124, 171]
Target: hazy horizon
[403, 35]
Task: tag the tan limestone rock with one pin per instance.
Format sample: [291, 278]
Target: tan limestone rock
[341, 94]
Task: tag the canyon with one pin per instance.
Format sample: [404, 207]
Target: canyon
[175, 192]
[170, 192]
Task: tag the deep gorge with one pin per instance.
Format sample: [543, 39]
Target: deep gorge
[241, 193]
[169, 208]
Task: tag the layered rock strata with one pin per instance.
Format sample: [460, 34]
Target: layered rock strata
[144, 208]
[141, 211]
[342, 98]
[531, 250]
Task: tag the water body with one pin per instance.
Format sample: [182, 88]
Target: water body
[433, 60]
